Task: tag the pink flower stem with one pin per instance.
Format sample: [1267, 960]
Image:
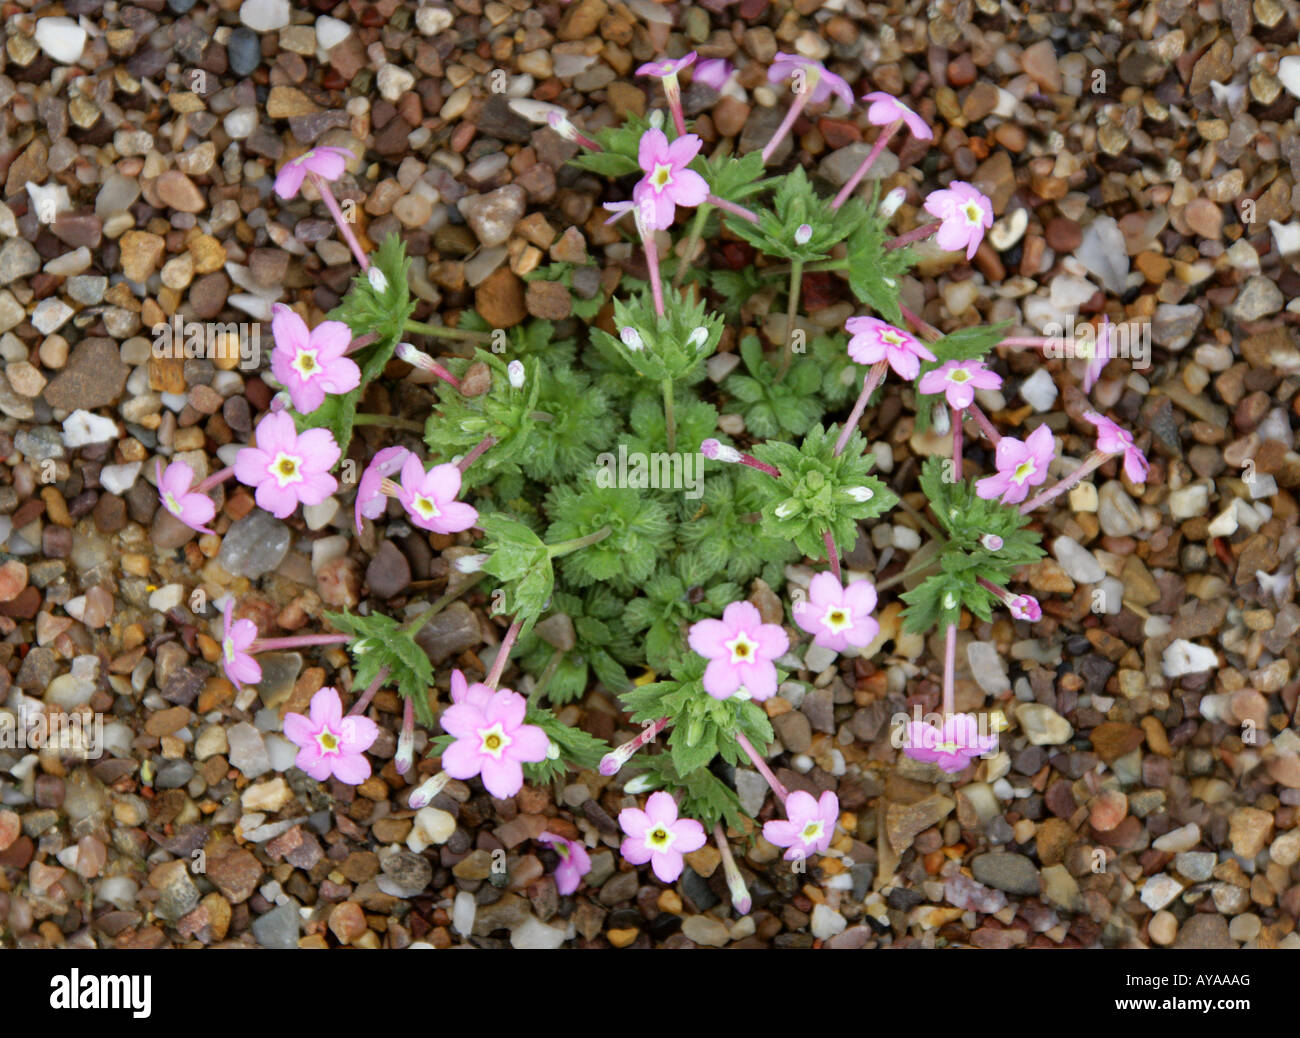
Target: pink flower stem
[832, 554]
[760, 765]
[881, 140]
[732, 207]
[949, 669]
[982, 420]
[797, 106]
[362, 341]
[921, 324]
[674, 94]
[578, 137]
[440, 372]
[345, 228]
[359, 707]
[503, 654]
[1093, 461]
[914, 235]
[740, 899]
[1036, 342]
[762, 466]
[1003, 595]
[406, 737]
[612, 762]
[652, 262]
[477, 452]
[213, 480]
[869, 385]
[301, 641]
[956, 442]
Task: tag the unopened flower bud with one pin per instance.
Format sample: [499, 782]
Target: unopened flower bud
[991, 541]
[890, 203]
[427, 790]
[280, 401]
[950, 601]
[631, 338]
[405, 751]
[515, 373]
[640, 784]
[698, 338]
[787, 508]
[470, 563]
[860, 493]
[408, 353]
[552, 750]
[803, 234]
[715, 451]
[377, 280]
[657, 119]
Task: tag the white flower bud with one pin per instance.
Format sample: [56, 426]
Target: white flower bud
[470, 563]
[631, 339]
[803, 234]
[408, 353]
[377, 280]
[860, 493]
[657, 119]
[640, 784]
[515, 373]
[552, 750]
[890, 203]
[698, 338]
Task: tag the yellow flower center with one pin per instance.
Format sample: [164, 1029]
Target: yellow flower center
[285, 469]
[305, 363]
[947, 747]
[494, 740]
[742, 649]
[426, 507]
[1023, 471]
[172, 504]
[893, 338]
[813, 831]
[837, 618]
[661, 177]
[328, 742]
[959, 375]
[659, 839]
[974, 214]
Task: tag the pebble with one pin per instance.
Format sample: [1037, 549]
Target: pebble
[1013, 873]
[280, 927]
[1183, 657]
[532, 934]
[987, 668]
[247, 750]
[254, 545]
[705, 930]
[264, 15]
[61, 38]
[1160, 890]
[1042, 725]
[493, 216]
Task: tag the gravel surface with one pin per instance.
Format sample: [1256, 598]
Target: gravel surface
[1142, 161]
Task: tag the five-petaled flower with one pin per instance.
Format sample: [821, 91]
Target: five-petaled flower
[952, 746]
[1021, 464]
[1025, 607]
[874, 340]
[965, 215]
[808, 827]
[886, 109]
[668, 182]
[329, 743]
[371, 499]
[326, 162]
[838, 616]
[491, 739]
[740, 649]
[1114, 439]
[175, 493]
[236, 638]
[658, 836]
[575, 862]
[666, 67]
[430, 497]
[811, 77]
[311, 363]
[288, 468]
[958, 380]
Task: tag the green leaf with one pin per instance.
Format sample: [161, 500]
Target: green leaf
[380, 641]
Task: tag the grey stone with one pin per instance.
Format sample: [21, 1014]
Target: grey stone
[279, 927]
[1013, 873]
[254, 545]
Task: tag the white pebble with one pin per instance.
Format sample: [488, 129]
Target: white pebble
[264, 15]
[1039, 390]
[61, 38]
[82, 428]
[118, 479]
[1184, 657]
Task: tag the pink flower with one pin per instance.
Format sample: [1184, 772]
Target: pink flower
[713, 73]
[325, 161]
[1100, 357]
[809, 825]
[310, 364]
[835, 616]
[492, 740]
[873, 340]
[951, 747]
[287, 468]
[575, 862]
[236, 660]
[1021, 464]
[667, 182]
[371, 500]
[1025, 607]
[811, 76]
[666, 67]
[176, 496]
[329, 743]
[958, 380]
[430, 497]
[477, 694]
[965, 214]
[886, 109]
[740, 648]
[1113, 439]
[658, 836]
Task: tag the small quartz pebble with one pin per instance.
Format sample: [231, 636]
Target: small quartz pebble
[61, 38]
